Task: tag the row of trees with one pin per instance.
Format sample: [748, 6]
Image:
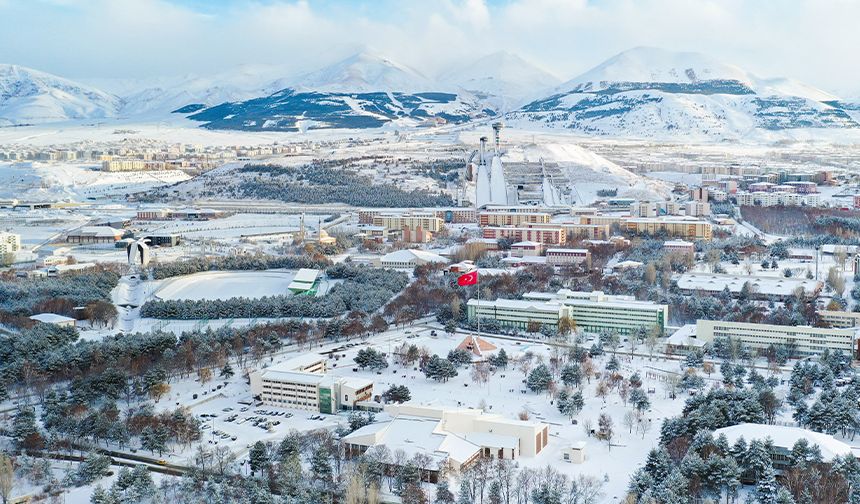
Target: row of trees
[364, 289]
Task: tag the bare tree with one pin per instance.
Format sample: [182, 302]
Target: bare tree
[7, 477]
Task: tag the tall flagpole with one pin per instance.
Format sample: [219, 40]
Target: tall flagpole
[478, 311]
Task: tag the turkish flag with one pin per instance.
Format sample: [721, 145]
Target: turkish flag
[470, 278]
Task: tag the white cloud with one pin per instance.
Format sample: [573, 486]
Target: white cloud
[813, 40]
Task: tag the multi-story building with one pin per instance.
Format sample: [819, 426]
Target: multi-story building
[565, 256]
[590, 231]
[840, 319]
[688, 228]
[512, 218]
[397, 221]
[769, 199]
[805, 340]
[601, 220]
[593, 312]
[680, 247]
[10, 243]
[301, 383]
[697, 208]
[414, 235]
[550, 235]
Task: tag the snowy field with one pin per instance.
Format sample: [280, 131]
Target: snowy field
[35, 181]
[211, 285]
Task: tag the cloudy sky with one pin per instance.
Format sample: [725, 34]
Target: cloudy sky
[816, 41]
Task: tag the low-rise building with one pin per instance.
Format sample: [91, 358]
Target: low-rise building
[805, 340]
[55, 319]
[758, 287]
[306, 281]
[781, 442]
[680, 247]
[94, 235]
[526, 248]
[565, 256]
[410, 258]
[454, 438]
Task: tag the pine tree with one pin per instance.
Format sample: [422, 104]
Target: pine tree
[767, 488]
[539, 379]
[443, 493]
[571, 375]
[658, 464]
[258, 457]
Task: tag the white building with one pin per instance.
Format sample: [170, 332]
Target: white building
[806, 340]
[10, 243]
[769, 199]
[410, 258]
[453, 437]
[301, 383]
[761, 287]
[565, 256]
[53, 318]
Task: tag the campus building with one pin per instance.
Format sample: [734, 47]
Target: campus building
[688, 228]
[806, 340]
[410, 258]
[95, 234]
[306, 281]
[592, 312]
[759, 287]
[566, 257]
[453, 438]
[301, 383]
[428, 221]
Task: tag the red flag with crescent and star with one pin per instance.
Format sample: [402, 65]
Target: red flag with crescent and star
[470, 278]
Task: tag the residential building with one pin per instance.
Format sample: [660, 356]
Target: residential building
[590, 231]
[550, 235]
[805, 340]
[10, 243]
[688, 228]
[415, 235]
[512, 218]
[769, 199]
[427, 221]
[565, 256]
[697, 208]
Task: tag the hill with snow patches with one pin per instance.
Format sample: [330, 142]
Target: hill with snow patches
[29, 96]
[649, 92]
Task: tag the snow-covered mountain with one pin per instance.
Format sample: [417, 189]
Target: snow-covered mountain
[503, 75]
[365, 72]
[362, 91]
[648, 92]
[29, 96]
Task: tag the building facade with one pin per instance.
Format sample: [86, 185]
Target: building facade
[805, 340]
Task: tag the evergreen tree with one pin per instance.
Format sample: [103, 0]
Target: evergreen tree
[258, 457]
[767, 488]
[539, 379]
[571, 375]
[443, 493]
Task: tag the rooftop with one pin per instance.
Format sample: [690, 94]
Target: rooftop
[785, 437]
[51, 318]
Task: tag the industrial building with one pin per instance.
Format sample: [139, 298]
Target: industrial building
[94, 235]
[806, 340]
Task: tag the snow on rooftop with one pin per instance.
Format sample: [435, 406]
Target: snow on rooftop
[407, 255]
[51, 318]
[307, 275]
[785, 437]
[714, 282]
